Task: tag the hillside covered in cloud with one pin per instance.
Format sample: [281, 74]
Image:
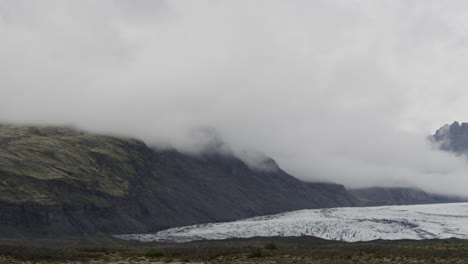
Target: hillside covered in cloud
[58, 181]
[335, 91]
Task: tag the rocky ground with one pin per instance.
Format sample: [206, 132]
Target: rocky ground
[256, 250]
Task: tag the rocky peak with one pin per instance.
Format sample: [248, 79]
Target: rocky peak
[453, 138]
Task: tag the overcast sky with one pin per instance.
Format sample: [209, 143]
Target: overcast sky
[342, 91]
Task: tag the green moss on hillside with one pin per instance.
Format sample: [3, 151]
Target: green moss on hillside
[33, 158]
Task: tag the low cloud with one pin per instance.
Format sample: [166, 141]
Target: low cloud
[341, 91]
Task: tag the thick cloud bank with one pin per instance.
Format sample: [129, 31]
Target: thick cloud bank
[342, 91]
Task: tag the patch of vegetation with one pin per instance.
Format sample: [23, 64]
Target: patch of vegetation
[152, 253]
[255, 253]
[270, 246]
[32, 158]
[167, 260]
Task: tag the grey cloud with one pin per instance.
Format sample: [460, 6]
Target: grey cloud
[342, 91]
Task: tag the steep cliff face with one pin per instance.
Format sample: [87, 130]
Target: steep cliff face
[59, 181]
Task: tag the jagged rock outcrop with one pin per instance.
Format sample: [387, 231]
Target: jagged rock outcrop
[453, 138]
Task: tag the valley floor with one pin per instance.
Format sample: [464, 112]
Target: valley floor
[254, 250]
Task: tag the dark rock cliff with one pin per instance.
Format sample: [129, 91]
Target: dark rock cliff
[58, 181]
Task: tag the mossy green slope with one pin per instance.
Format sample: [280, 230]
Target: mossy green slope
[34, 158]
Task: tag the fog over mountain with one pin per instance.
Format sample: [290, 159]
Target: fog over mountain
[339, 91]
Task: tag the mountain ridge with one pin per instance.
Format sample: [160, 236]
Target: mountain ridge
[62, 181]
[379, 196]
[69, 182]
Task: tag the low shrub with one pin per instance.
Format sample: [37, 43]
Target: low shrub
[152, 253]
[167, 260]
[270, 246]
[255, 253]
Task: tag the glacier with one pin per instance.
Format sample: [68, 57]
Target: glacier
[345, 224]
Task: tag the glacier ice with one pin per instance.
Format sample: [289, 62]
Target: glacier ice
[346, 224]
